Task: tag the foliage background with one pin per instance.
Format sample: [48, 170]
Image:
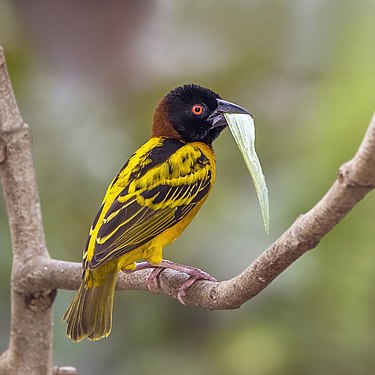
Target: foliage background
[88, 76]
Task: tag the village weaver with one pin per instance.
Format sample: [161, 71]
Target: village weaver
[149, 203]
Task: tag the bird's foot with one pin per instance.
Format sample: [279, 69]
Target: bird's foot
[194, 275]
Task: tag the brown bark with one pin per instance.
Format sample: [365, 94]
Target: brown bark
[36, 277]
[30, 345]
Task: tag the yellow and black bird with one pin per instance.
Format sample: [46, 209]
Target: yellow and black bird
[149, 203]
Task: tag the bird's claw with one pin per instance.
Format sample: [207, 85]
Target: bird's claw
[194, 275]
[153, 278]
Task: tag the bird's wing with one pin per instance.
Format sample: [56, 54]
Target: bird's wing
[152, 202]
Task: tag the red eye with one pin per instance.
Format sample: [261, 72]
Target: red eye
[197, 109]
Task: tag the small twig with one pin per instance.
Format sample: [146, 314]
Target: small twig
[67, 370]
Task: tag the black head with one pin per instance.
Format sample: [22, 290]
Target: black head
[196, 113]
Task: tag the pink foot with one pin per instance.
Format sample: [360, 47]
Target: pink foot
[194, 275]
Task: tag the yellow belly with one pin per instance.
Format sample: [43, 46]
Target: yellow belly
[152, 251]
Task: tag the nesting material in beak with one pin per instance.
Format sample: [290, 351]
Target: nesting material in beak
[243, 131]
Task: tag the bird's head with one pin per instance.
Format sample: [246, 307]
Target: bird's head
[192, 113]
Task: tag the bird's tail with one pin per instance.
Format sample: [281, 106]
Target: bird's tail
[90, 312]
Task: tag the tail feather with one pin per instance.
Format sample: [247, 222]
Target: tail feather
[90, 312]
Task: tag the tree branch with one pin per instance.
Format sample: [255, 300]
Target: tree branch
[30, 345]
[35, 276]
[355, 179]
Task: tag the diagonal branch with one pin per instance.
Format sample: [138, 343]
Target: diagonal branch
[355, 179]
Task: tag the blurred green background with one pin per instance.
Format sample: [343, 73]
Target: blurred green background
[87, 76]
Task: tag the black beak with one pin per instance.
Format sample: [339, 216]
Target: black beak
[217, 117]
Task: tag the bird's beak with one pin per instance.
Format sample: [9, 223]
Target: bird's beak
[217, 117]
